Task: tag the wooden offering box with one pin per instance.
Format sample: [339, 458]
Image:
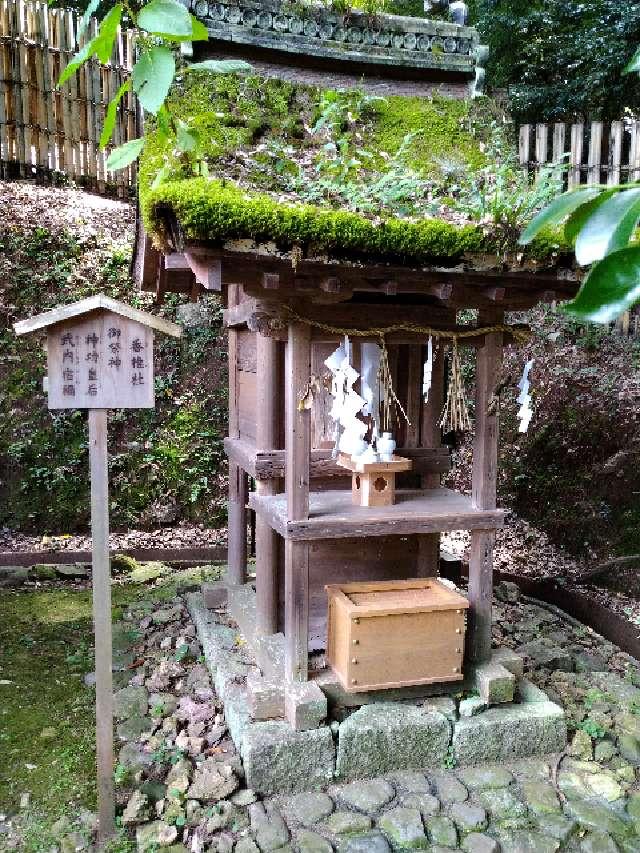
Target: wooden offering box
[395, 633]
[374, 483]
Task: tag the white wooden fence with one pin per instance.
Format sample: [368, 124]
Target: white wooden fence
[594, 152]
[45, 131]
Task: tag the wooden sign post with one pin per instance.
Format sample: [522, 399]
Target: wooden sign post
[100, 357]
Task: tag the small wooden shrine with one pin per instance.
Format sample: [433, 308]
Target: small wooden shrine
[289, 301]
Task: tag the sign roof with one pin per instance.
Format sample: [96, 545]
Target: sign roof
[95, 303]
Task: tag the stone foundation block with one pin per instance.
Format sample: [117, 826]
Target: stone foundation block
[509, 660]
[495, 684]
[215, 595]
[381, 738]
[305, 705]
[503, 734]
[266, 697]
[277, 759]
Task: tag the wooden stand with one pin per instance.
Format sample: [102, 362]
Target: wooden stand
[374, 483]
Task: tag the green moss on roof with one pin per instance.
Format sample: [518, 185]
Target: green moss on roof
[255, 131]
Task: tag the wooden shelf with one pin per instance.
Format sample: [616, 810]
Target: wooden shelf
[332, 515]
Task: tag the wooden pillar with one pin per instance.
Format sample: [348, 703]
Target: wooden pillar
[297, 448]
[238, 485]
[431, 436]
[267, 430]
[483, 487]
[237, 526]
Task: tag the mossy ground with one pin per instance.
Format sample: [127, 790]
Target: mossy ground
[46, 642]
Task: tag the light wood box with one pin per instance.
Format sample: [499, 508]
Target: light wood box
[395, 633]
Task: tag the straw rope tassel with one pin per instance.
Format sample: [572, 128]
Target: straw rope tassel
[455, 415]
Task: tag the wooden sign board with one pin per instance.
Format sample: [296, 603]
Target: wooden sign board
[100, 361]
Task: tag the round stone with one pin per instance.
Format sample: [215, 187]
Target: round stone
[348, 823]
[450, 45]
[280, 23]
[296, 26]
[249, 18]
[367, 796]
[383, 38]
[201, 9]
[354, 35]
[264, 20]
[310, 27]
[424, 43]
[468, 818]
[397, 40]
[234, 15]
[410, 41]
[370, 843]
[310, 808]
[449, 790]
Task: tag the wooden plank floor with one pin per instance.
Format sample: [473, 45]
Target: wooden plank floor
[332, 515]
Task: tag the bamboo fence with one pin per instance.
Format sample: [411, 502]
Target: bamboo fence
[47, 132]
[594, 153]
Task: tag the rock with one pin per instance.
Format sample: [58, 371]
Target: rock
[507, 591]
[481, 778]
[308, 809]
[347, 823]
[468, 818]
[508, 733]
[581, 746]
[132, 728]
[380, 738]
[450, 790]
[633, 805]
[73, 843]
[277, 759]
[557, 826]
[629, 747]
[162, 704]
[442, 705]
[589, 662]
[13, 576]
[403, 827]
[502, 804]
[134, 758]
[598, 842]
[123, 563]
[43, 572]
[272, 833]
[472, 706]
[370, 843]
[604, 751]
[136, 810]
[587, 780]
[544, 654]
[541, 798]
[367, 796]
[179, 777]
[599, 818]
[412, 781]
[145, 572]
[526, 841]
[212, 781]
[130, 702]
[426, 804]
[195, 712]
[495, 683]
[153, 835]
[244, 797]
[442, 831]
[477, 842]
[311, 842]
[75, 571]
[166, 615]
[246, 845]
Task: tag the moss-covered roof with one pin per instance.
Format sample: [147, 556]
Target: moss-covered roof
[346, 174]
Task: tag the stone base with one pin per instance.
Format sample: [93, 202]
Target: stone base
[378, 738]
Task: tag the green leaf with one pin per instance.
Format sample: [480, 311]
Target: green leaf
[220, 66]
[110, 115]
[186, 138]
[612, 287]
[125, 154]
[609, 228]
[634, 64]
[557, 211]
[161, 176]
[101, 44]
[166, 18]
[152, 76]
[576, 221]
[198, 32]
